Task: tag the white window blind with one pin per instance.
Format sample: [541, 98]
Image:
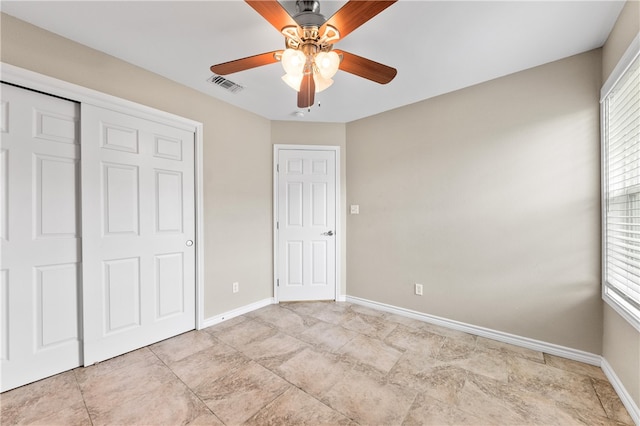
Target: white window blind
[621, 180]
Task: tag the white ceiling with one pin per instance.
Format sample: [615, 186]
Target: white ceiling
[436, 46]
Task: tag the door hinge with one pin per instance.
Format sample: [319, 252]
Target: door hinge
[278, 281]
[277, 225]
[278, 168]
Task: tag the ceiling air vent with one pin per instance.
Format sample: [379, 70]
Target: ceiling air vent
[225, 84]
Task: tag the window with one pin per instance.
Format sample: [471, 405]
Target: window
[621, 186]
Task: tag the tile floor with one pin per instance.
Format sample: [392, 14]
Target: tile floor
[322, 363]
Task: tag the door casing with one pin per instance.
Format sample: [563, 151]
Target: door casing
[339, 231]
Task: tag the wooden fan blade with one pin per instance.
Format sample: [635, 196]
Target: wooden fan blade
[273, 12]
[353, 14]
[307, 91]
[245, 63]
[366, 68]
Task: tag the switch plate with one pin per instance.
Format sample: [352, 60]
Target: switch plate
[418, 289]
[355, 209]
[236, 287]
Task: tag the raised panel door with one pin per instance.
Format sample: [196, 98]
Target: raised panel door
[139, 271]
[306, 225]
[40, 279]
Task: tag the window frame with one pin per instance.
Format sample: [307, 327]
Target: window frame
[630, 314]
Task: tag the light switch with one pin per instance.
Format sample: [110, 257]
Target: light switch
[355, 209]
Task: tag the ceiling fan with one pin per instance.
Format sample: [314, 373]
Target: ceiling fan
[309, 59]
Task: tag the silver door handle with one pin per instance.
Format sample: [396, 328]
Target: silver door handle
[189, 243]
[330, 233]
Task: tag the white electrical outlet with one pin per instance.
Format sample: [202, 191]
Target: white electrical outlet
[418, 289]
[236, 287]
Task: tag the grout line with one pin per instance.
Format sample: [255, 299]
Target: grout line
[595, 391]
[84, 401]
[186, 385]
[404, 419]
[311, 346]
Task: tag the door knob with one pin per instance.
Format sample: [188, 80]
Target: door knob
[330, 233]
[189, 243]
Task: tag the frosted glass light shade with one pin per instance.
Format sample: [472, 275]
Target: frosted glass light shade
[293, 61]
[327, 63]
[293, 81]
[321, 82]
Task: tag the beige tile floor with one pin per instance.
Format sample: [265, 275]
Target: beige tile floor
[322, 363]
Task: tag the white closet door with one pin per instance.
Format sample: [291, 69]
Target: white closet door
[40, 227]
[139, 230]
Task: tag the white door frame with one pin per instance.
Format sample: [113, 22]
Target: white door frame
[339, 232]
[43, 83]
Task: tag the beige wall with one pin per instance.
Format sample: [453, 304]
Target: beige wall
[624, 30]
[621, 342]
[490, 198]
[621, 349]
[333, 134]
[237, 152]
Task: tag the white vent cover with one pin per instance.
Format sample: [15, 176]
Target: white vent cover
[225, 84]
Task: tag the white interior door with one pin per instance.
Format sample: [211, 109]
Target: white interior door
[306, 224]
[40, 227]
[139, 231]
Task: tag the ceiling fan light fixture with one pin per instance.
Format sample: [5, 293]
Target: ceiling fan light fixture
[293, 61]
[293, 81]
[327, 64]
[321, 82]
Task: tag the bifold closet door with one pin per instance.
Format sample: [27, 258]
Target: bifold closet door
[138, 218]
[40, 226]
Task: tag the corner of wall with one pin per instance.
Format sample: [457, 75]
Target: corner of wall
[621, 341]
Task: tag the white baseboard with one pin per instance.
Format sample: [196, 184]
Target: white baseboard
[626, 399]
[525, 342]
[208, 322]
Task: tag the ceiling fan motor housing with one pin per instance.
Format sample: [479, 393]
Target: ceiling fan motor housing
[307, 37]
[308, 13]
